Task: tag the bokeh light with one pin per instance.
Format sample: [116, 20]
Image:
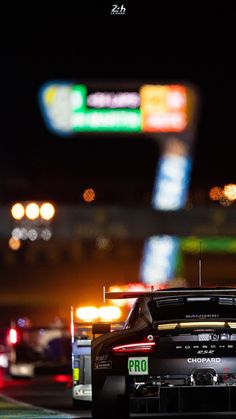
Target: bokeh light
[14, 243]
[46, 234]
[109, 313]
[16, 233]
[230, 191]
[89, 195]
[47, 211]
[17, 211]
[24, 233]
[225, 202]
[89, 313]
[104, 243]
[32, 234]
[32, 211]
[13, 336]
[104, 313]
[216, 193]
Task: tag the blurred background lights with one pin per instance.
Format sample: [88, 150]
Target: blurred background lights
[230, 191]
[16, 233]
[225, 202]
[103, 243]
[46, 234]
[104, 313]
[77, 98]
[109, 313]
[17, 211]
[47, 211]
[21, 322]
[24, 233]
[225, 195]
[32, 234]
[87, 313]
[176, 99]
[14, 243]
[89, 195]
[216, 193]
[13, 336]
[32, 211]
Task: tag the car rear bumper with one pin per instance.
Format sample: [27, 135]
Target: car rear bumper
[22, 370]
[186, 399]
[82, 392]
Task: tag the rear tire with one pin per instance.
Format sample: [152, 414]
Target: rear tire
[110, 400]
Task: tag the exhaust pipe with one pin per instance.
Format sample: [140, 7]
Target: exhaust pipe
[204, 377]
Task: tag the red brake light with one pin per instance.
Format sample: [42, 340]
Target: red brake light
[13, 336]
[62, 378]
[134, 347]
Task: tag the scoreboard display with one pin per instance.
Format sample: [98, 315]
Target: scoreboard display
[149, 108]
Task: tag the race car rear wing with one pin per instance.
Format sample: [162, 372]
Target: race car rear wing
[168, 292]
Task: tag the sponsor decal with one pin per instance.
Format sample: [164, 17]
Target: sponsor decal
[201, 316]
[204, 337]
[101, 357]
[103, 365]
[203, 360]
[138, 366]
[76, 374]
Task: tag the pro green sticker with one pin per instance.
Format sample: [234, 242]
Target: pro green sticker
[138, 366]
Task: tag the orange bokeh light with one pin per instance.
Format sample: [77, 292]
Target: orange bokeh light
[89, 195]
[14, 243]
[216, 193]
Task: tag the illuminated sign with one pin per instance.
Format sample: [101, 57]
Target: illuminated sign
[159, 259]
[169, 193]
[208, 244]
[106, 120]
[113, 100]
[170, 190]
[74, 108]
[164, 108]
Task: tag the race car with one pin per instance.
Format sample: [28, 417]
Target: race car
[175, 354]
[81, 365]
[39, 350]
[82, 334]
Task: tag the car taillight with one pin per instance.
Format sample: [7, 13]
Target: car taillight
[134, 347]
[13, 338]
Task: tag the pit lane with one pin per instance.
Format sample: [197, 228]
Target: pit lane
[40, 397]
